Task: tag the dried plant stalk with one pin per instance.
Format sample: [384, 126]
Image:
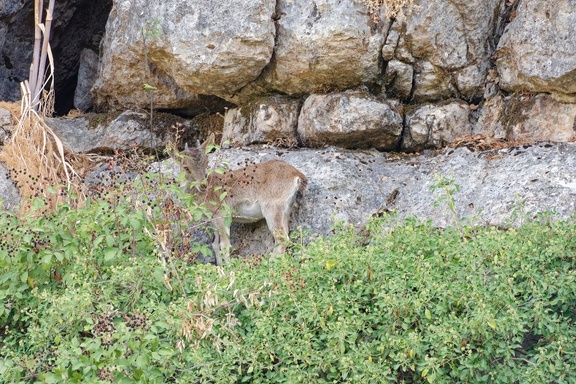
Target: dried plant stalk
[36, 157]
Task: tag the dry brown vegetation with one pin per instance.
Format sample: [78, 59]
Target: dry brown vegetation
[38, 161]
[392, 8]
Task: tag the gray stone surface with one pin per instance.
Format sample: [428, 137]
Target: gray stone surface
[323, 44]
[398, 79]
[499, 187]
[436, 125]
[193, 48]
[352, 119]
[6, 125]
[536, 52]
[9, 196]
[87, 73]
[270, 120]
[128, 130]
[448, 43]
[528, 118]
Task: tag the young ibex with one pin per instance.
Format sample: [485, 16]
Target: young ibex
[259, 191]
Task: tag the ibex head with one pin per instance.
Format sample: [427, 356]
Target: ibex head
[194, 161]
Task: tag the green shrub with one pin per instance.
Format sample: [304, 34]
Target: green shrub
[111, 293]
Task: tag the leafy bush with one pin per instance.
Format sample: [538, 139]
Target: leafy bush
[105, 293]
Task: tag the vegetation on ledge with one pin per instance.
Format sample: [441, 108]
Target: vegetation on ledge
[106, 293]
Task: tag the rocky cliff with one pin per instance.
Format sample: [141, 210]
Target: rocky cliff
[445, 68]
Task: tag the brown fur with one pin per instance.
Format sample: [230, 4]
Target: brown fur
[259, 191]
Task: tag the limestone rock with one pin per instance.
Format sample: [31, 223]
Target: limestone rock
[192, 47]
[324, 44]
[352, 119]
[398, 79]
[9, 196]
[536, 52]
[87, 73]
[431, 125]
[500, 187]
[270, 120]
[6, 125]
[128, 130]
[431, 82]
[449, 44]
[528, 118]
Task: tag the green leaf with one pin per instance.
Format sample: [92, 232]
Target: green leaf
[110, 253]
[47, 259]
[59, 256]
[98, 240]
[136, 224]
[142, 361]
[148, 87]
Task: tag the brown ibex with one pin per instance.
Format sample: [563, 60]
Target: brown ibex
[259, 191]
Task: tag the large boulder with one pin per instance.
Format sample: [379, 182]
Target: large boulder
[528, 118]
[448, 44]
[110, 132]
[352, 119]
[270, 120]
[240, 52]
[324, 44]
[536, 52]
[435, 126]
[190, 48]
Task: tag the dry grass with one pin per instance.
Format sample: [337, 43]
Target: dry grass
[13, 108]
[484, 143]
[38, 161]
[392, 8]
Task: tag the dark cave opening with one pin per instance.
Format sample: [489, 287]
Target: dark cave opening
[84, 29]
